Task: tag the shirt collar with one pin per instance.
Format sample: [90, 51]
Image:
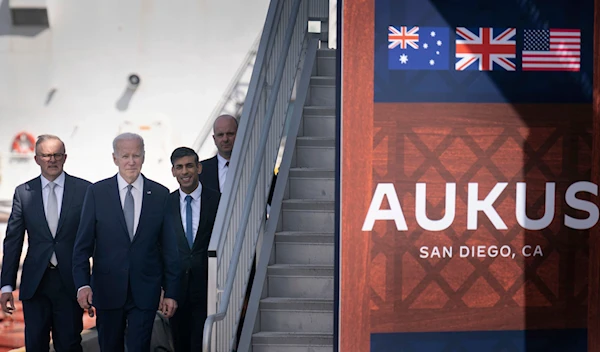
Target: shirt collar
[137, 184]
[195, 193]
[60, 180]
[221, 161]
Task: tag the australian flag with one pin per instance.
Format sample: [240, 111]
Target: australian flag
[418, 48]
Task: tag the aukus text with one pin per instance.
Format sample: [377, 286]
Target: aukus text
[485, 205]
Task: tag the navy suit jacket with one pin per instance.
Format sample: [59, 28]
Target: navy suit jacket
[28, 215]
[209, 177]
[194, 261]
[144, 264]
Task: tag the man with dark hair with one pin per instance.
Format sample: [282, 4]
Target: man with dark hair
[126, 227]
[215, 168]
[193, 208]
[48, 209]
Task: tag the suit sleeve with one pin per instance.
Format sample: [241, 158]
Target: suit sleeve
[170, 256]
[13, 243]
[85, 241]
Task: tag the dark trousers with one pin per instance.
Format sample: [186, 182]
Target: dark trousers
[128, 324]
[52, 309]
[187, 325]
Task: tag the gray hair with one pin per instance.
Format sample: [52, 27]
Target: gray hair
[128, 136]
[44, 137]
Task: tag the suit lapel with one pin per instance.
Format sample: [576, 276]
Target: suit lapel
[38, 203]
[216, 174]
[115, 199]
[177, 221]
[66, 201]
[204, 207]
[146, 195]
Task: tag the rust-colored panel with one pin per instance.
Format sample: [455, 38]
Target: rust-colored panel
[357, 146]
[484, 144]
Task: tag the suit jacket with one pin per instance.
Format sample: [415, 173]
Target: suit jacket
[194, 261]
[28, 215]
[144, 264]
[209, 177]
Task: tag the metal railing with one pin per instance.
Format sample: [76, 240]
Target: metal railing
[231, 102]
[242, 210]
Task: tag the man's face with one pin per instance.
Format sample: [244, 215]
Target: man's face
[129, 157]
[186, 170]
[224, 135]
[50, 156]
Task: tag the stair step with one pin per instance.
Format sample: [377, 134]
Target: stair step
[271, 341]
[326, 66]
[308, 215]
[304, 237]
[296, 314]
[318, 126]
[326, 53]
[308, 205]
[315, 152]
[311, 183]
[319, 111]
[295, 249]
[304, 281]
[322, 91]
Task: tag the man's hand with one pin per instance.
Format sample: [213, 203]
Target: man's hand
[84, 298]
[7, 301]
[168, 307]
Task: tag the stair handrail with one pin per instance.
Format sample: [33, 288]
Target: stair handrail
[220, 108]
[278, 194]
[242, 209]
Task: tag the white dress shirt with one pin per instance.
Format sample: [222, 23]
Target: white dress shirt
[195, 209]
[59, 190]
[138, 194]
[223, 168]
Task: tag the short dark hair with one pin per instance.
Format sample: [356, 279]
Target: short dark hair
[182, 152]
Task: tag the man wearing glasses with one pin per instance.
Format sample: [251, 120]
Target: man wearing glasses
[48, 209]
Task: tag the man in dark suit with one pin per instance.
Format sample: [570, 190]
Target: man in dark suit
[215, 168]
[48, 208]
[193, 209]
[127, 229]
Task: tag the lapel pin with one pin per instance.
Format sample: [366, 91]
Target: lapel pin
[149, 192]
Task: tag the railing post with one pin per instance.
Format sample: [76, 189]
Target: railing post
[212, 296]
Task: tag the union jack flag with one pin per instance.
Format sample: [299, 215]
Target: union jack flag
[403, 37]
[486, 49]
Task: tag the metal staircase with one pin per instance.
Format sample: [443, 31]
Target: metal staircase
[296, 311]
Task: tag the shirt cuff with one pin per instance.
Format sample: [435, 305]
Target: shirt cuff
[6, 289]
[82, 287]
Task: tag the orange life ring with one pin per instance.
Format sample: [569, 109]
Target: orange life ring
[23, 143]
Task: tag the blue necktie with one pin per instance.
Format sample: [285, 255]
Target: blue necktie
[189, 229]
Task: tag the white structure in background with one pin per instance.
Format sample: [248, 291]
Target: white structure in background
[332, 24]
[66, 68]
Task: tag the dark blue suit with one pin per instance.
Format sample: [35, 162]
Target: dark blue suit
[48, 295]
[127, 275]
[188, 323]
[209, 177]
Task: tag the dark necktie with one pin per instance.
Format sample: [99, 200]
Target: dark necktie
[189, 229]
[129, 211]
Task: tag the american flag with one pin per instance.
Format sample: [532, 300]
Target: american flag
[551, 50]
[403, 37]
[485, 49]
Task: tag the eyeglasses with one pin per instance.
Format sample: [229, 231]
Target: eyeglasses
[56, 156]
